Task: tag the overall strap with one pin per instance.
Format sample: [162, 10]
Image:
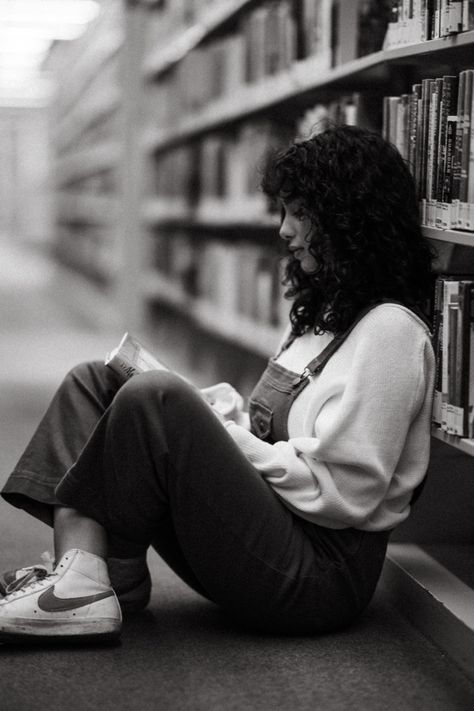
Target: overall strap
[286, 344]
[318, 363]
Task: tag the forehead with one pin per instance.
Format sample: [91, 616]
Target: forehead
[291, 205]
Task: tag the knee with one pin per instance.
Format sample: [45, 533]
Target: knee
[140, 389]
[82, 371]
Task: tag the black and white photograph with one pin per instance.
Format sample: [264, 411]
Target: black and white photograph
[237, 355]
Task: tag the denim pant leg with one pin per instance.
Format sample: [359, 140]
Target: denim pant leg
[159, 454]
[76, 408]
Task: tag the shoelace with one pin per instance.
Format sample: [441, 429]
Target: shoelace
[30, 575]
[35, 575]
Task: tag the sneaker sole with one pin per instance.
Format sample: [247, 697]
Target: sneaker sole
[21, 630]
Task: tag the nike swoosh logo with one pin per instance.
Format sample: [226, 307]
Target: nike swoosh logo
[48, 602]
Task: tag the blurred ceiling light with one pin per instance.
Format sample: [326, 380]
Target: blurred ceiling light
[48, 11]
[27, 32]
[28, 28]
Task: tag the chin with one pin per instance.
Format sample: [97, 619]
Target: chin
[308, 265]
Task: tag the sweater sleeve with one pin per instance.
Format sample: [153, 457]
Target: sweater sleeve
[342, 471]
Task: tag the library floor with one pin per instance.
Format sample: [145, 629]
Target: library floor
[180, 653]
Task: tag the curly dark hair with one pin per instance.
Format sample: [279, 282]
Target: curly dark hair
[360, 198]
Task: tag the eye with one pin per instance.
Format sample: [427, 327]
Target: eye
[299, 215]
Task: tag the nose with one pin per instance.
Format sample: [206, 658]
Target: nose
[286, 232]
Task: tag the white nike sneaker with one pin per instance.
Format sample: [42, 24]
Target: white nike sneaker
[74, 602]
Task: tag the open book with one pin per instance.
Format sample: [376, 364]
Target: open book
[131, 357]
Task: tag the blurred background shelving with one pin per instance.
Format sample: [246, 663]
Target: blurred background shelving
[86, 115]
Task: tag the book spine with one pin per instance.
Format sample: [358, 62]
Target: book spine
[470, 338]
[449, 291]
[466, 135]
[464, 366]
[444, 12]
[438, 349]
[435, 26]
[452, 407]
[467, 15]
[454, 17]
[432, 139]
[459, 136]
[426, 10]
[470, 178]
[449, 153]
[413, 122]
[401, 136]
[446, 107]
[425, 102]
[419, 140]
[310, 27]
[459, 410]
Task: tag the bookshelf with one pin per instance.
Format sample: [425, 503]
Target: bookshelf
[87, 144]
[132, 150]
[310, 77]
[304, 77]
[215, 129]
[464, 445]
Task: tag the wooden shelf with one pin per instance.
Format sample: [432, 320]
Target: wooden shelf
[228, 212]
[304, 76]
[87, 208]
[452, 236]
[465, 445]
[241, 330]
[215, 213]
[88, 161]
[224, 213]
[435, 600]
[211, 19]
[156, 211]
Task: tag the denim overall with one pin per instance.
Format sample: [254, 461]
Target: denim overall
[277, 389]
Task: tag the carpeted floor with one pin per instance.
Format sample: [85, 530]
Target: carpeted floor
[182, 653]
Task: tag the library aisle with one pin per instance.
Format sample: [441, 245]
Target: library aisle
[180, 653]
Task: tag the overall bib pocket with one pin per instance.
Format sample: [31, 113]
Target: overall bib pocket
[261, 418]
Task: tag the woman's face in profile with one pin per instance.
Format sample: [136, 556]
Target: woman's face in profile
[296, 230]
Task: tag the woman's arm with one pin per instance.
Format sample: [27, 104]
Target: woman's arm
[342, 472]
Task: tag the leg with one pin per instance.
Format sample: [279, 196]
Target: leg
[79, 403]
[159, 453]
[73, 530]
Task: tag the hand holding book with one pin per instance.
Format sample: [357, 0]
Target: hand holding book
[131, 357]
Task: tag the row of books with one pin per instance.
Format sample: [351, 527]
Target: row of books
[354, 109]
[219, 165]
[268, 40]
[265, 43]
[433, 129]
[227, 165]
[237, 278]
[416, 21]
[453, 409]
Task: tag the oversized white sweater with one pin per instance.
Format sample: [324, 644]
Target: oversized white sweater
[359, 433]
